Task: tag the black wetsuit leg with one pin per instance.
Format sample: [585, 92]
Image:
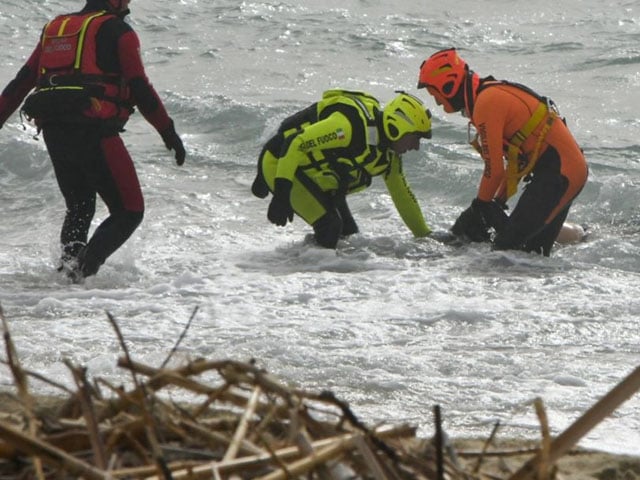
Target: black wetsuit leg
[337, 222]
[349, 225]
[88, 162]
[542, 242]
[70, 154]
[327, 229]
[527, 229]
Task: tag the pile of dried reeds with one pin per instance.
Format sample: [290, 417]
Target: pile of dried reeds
[233, 420]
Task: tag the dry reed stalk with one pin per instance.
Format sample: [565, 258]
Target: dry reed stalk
[241, 431]
[485, 447]
[543, 465]
[269, 418]
[50, 454]
[303, 441]
[217, 438]
[370, 458]
[231, 370]
[180, 338]
[42, 378]
[310, 462]
[148, 419]
[21, 382]
[161, 378]
[516, 452]
[204, 471]
[86, 403]
[136, 434]
[592, 417]
[438, 442]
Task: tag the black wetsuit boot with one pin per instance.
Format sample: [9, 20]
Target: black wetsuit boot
[108, 237]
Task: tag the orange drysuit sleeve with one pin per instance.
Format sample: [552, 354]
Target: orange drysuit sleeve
[500, 111]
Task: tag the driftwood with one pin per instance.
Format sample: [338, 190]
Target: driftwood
[572, 435]
[232, 420]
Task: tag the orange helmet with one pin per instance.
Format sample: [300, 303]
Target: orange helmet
[442, 74]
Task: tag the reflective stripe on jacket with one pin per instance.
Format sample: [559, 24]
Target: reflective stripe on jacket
[336, 137]
[69, 62]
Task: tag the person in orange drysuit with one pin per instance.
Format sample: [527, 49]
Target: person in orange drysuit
[521, 137]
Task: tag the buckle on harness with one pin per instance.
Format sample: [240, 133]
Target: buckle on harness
[51, 80]
[551, 105]
[472, 138]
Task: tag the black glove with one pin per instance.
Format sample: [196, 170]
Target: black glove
[476, 220]
[173, 142]
[259, 186]
[280, 209]
[493, 213]
[471, 224]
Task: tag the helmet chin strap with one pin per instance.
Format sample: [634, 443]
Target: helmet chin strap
[468, 94]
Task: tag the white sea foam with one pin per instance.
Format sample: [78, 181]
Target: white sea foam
[392, 324]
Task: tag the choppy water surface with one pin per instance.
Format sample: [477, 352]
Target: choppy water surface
[392, 324]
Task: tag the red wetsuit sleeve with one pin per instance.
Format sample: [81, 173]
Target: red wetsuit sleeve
[15, 92]
[144, 95]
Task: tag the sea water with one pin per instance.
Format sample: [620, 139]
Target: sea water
[392, 324]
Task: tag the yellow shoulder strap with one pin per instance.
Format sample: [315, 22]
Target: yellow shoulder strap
[514, 174]
[83, 34]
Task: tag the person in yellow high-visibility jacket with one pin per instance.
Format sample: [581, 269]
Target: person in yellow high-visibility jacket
[333, 148]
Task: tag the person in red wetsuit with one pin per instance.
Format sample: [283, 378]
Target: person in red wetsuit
[521, 137]
[88, 77]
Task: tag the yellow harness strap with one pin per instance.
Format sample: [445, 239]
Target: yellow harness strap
[81, 33]
[514, 173]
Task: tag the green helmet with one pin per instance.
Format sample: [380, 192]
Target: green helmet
[406, 114]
